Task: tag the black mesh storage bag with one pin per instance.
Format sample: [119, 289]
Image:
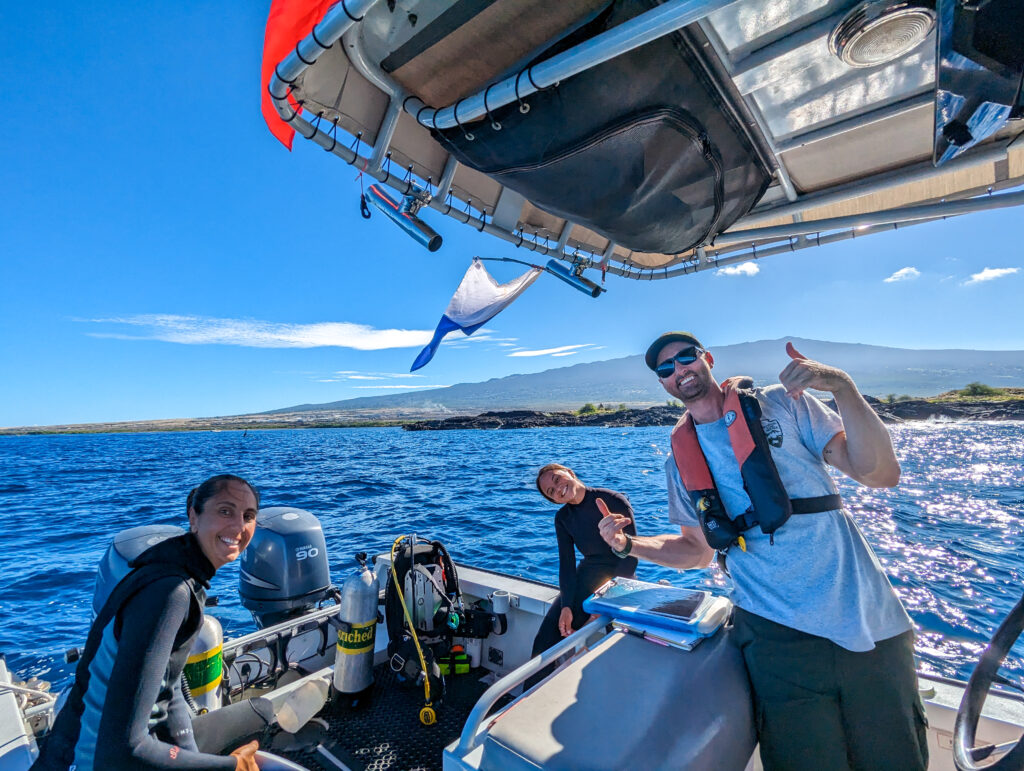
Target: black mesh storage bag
[641, 149]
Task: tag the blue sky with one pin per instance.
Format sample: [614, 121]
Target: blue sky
[161, 255]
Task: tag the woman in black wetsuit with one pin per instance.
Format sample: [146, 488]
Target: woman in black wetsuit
[126, 710]
[576, 529]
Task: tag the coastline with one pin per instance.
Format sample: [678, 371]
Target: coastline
[908, 410]
[890, 412]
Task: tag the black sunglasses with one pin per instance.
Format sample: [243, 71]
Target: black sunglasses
[685, 356]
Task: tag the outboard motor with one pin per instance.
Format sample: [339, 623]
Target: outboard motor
[284, 572]
[125, 547]
[357, 630]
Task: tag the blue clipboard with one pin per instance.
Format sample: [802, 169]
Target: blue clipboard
[671, 608]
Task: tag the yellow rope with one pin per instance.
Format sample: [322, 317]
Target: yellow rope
[408, 615]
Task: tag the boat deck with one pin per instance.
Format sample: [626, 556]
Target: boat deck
[383, 732]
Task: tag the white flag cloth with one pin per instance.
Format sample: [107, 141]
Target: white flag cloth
[478, 299]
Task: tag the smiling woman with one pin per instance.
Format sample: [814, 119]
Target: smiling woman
[231, 504]
[144, 635]
[576, 529]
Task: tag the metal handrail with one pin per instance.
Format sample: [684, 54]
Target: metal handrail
[576, 642]
[902, 214]
[335, 23]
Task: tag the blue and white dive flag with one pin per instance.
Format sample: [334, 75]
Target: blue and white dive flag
[478, 299]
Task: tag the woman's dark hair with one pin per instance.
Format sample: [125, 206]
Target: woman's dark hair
[552, 467]
[198, 496]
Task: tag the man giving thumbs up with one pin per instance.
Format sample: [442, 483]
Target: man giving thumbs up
[826, 642]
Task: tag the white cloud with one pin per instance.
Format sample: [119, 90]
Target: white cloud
[403, 386]
[252, 333]
[560, 351]
[903, 274]
[566, 353]
[357, 375]
[743, 269]
[990, 274]
[479, 336]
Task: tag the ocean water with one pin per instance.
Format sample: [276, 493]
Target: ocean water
[951, 536]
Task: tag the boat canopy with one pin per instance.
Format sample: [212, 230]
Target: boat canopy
[801, 121]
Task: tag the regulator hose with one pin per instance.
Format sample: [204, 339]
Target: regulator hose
[427, 715]
[186, 692]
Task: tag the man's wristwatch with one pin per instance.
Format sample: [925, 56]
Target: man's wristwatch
[625, 552]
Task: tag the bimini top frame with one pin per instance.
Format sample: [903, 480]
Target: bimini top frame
[769, 229]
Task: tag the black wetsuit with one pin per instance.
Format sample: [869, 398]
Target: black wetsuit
[126, 710]
[576, 528]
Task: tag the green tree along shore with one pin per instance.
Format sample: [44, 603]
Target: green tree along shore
[980, 392]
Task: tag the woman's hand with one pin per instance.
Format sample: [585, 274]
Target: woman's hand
[565, 622]
[245, 757]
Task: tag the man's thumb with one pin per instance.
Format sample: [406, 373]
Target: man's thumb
[793, 352]
[603, 508]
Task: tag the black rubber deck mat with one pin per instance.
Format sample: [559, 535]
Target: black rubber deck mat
[384, 732]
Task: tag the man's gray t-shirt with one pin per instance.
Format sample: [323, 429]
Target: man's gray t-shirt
[820, 576]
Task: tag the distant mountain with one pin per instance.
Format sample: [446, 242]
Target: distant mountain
[877, 370]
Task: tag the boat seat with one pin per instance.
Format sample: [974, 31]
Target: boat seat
[630, 703]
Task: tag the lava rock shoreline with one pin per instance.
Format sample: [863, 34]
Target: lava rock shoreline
[895, 412]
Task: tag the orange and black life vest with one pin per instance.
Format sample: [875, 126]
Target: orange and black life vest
[771, 505]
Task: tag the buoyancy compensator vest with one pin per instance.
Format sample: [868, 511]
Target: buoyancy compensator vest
[430, 587]
[770, 504]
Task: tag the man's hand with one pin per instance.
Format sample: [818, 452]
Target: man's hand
[245, 757]
[611, 526]
[863, 450]
[565, 622]
[802, 373]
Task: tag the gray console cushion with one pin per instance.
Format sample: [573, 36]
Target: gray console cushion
[632, 704]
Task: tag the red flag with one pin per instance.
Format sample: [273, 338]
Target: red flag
[288, 23]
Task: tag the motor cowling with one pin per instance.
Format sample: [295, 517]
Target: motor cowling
[356, 623]
[284, 572]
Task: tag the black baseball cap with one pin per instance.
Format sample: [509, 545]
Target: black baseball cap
[651, 357]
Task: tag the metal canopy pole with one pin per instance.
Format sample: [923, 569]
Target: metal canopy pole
[781, 172]
[631, 34]
[904, 214]
[879, 183]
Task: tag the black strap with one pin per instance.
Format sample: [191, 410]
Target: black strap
[816, 505]
[800, 506]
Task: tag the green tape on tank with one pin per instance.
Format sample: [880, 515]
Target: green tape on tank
[203, 671]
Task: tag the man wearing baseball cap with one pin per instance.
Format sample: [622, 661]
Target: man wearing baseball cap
[827, 644]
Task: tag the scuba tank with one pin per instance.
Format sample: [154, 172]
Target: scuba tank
[356, 622]
[205, 666]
